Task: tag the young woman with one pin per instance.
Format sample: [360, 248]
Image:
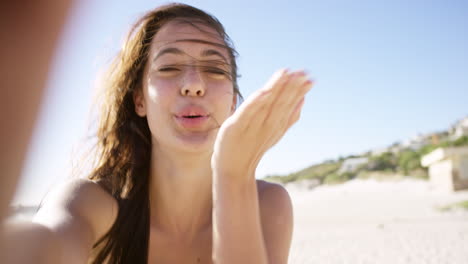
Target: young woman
[175, 180]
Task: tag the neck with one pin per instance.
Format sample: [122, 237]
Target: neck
[180, 192]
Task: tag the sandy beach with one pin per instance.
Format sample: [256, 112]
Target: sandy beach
[368, 221]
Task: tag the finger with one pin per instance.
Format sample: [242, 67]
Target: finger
[278, 77]
[255, 108]
[296, 108]
[292, 92]
[304, 86]
[282, 131]
[296, 114]
[301, 85]
[303, 89]
[283, 108]
[264, 93]
[289, 118]
[281, 94]
[289, 89]
[270, 93]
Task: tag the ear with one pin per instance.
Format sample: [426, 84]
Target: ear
[234, 103]
[139, 101]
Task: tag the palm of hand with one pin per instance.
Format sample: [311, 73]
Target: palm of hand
[260, 122]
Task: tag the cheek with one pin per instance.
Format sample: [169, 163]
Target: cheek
[222, 91]
[159, 97]
[158, 88]
[223, 97]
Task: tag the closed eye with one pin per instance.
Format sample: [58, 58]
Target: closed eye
[168, 69]
[216, 71]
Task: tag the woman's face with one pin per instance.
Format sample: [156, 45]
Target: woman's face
[187, 87]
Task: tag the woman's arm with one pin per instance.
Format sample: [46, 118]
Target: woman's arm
[29, 31]
[237, 230]
[28, 242]
[242, 140]
[64, 230]
[262, 215]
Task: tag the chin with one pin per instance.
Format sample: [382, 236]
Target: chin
[196, 143]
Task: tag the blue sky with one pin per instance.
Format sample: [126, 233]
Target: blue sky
[385, 71]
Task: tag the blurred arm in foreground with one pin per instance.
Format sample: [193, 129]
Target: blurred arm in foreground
[29, 32]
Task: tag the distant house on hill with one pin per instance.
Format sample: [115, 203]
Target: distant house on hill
[352, 164]
[394, 148]
[379, 151]
[448, 168]
[460, 129]
[416, 142]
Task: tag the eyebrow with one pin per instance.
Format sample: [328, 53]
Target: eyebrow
[212, 52]
[168, 51]
[205, 53]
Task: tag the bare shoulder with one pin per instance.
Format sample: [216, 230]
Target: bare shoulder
[276, 213]
[273, 195]
[80, 199]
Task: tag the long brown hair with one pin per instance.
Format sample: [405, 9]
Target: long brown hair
[124, 139]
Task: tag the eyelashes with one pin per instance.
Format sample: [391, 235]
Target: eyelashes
[217, 71]
[168, 69]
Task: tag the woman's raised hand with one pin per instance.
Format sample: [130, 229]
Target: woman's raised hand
[259, 123]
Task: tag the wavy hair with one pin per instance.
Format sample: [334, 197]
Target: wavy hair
[124, 138]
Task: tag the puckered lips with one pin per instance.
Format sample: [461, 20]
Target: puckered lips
[192, 117]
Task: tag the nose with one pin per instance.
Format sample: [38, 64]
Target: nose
[193, 83]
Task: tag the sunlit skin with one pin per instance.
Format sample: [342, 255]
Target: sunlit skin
[206, 205]
[181, 175]
[23, 77]
[182, 73]
[178, 68]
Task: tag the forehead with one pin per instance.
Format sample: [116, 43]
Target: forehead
[191, 36]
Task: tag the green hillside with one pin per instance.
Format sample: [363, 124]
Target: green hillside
[405, 162]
